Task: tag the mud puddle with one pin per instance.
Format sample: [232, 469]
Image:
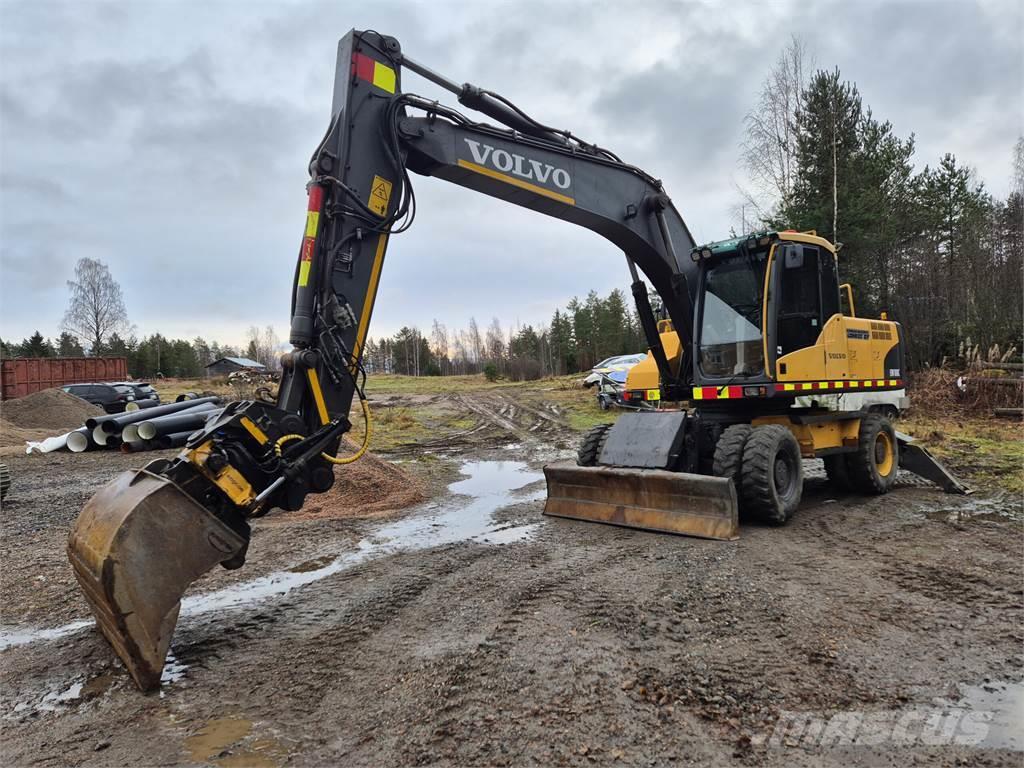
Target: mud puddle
[998, 507]
[490, 485]
[999, 707]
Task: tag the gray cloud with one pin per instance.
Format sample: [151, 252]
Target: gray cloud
[171, 140]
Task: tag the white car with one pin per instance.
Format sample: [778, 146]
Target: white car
[608, 365]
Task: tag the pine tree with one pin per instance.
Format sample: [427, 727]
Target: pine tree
[68, 346]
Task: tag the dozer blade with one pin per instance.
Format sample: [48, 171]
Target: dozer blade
[136, 546]
[915, 458]
[649, 499]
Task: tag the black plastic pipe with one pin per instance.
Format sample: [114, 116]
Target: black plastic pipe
[177, 422]
[121, 419]
[173, 440]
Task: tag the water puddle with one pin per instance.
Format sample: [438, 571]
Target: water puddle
[999, 710]
[490, 485]
[997, 508]
[12, 637]
[228, 742]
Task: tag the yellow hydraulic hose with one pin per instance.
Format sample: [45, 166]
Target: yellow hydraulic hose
[335, 459]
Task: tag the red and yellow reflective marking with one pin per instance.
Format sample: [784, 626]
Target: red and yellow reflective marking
[373, 72]
[316, 197]
[799, 387]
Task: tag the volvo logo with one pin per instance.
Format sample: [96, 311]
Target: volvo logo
[517, 165]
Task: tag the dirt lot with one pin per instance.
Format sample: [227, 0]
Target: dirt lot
[470, 630]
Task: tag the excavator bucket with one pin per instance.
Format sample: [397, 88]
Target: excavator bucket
[649, 499]
[135, 548]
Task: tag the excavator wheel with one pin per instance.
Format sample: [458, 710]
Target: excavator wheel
[590, 448]
[772, 476]
[838, 472]
[874, 466]
[729, 452]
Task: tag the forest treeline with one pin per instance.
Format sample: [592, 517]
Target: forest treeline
[153, 355]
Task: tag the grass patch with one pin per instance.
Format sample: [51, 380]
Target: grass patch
[987, 452]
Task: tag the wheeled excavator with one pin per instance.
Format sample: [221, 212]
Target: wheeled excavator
[749, 324]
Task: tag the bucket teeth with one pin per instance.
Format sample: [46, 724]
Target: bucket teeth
[135, 548]
[649, 499]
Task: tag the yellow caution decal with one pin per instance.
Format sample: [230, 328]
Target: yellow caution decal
[380, 196]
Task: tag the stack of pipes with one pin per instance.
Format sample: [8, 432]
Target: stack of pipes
[157, 426]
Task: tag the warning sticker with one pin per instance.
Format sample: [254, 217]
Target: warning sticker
[380, 196]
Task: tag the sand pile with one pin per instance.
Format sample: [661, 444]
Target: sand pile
[371, 487]
[52, 409]
[41, 415]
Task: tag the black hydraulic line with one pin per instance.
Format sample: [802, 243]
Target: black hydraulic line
[648, 323]
[482, 101]
[686, 335]
[114, 423]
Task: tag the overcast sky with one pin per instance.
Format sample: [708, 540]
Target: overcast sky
[170, 139]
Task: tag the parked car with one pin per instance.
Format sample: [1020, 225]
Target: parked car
[143, 390]
[112, 398]
[610, 365]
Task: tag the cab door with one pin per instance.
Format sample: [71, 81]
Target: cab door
[804, 295]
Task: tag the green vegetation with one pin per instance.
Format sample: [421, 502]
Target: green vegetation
[985, 452]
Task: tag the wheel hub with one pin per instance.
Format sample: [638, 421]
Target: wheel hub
[782, 475]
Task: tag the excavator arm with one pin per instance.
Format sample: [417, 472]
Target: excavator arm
[142, 539]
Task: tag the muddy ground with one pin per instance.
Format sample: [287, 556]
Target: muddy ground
[470, 630]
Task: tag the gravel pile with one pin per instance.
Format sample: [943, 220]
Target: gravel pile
[52, 409]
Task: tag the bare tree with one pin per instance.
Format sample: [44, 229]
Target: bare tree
[439, 344]
[495, 341]
[96, 307]
[264, 345]
[475, 344]
[769, 146]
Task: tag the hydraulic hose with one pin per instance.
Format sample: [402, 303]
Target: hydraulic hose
[278, 446]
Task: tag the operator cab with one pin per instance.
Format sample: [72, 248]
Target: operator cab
[760, 298]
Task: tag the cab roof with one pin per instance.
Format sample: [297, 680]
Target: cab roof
[763, 238]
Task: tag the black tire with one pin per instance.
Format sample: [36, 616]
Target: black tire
[729, 453]
[602, 401]
[838, 472]
[772, 478]
[874, 466]
[5, 481]
[591, 446]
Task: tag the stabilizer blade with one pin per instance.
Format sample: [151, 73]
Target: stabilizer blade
[649, 499]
